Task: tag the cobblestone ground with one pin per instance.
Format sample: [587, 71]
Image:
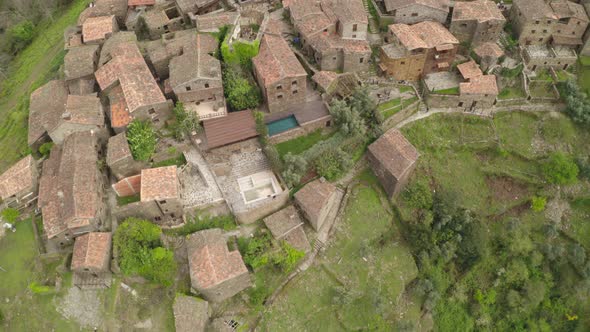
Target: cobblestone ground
[84, 307]
[199, 187]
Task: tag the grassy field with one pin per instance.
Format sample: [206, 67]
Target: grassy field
[359, 281]
[30, 69]
[584, 74]
[302, 143]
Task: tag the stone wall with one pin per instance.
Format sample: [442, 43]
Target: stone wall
[304, 129]
[264, 209]
[227, 288]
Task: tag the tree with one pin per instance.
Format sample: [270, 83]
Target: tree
[10, 215]
[362, 103]
[349, 122]
[295, 167]
[332, 162]
[20, 36]
[560, 169]
[240, 93]
[141, 29]
[578, 106]
[186, 122]
[142, 139]
[45, 149]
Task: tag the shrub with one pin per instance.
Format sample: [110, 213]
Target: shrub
[287, 258]
[225, 222]
[261, 128]
[578, 106]
[141, 29]
[139, 250]
[538, 203]
[39, 289]
[350, 122]
[10, 215]
[45, 149]
[511, 72]
[240, 93]
[239, 53]
[142, 139]
[186, 123]
[295, 167]
[19, 36]
[560, 169]
[418, 194]
[332, 163]
[254, 250]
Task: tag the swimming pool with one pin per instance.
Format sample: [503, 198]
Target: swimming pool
[282, 125]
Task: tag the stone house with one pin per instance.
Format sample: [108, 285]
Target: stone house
[119, 158]
[213, 21]
[286, 225]
[333, 33]
[216, 272]
[160, 19]
[392, 158]
[477, 22]
[81, 113]
[79, 66]
[159, 196]
[113, 43]
[416, 11]
[19, 184]
[195, 77]
[417, 50]
[91, 259]
[71, 190]
[132, 90]
[334, 85]
[559, 22]
[315, 200]
[46, 106]
[193, 8]
[140, 4]
[479, 90]
[488, 54]
[191, 314]
[95, 30]
[545, 56]
[118, 8]
[279, 74]
[170, 45]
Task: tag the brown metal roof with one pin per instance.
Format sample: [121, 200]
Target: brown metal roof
[235, 127]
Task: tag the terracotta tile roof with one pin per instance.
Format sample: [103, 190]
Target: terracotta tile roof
[105, 8]
[324, 43]
[394, 152]
[196, 63]
[480, 10]
[391, 5]
[117, 148]
[210, 261]
[159, 184]
[45, 109]
[98, 28]
[567, 9]
[128, 186]
[275, 61]
[282, 222]
[85, 110]
[489, 49]
[186, 6]
[325, 78]
[309, 18]
[134, 3]
[111, 44]
[130, 71]
[469, 69]
[69, 188]
[481, 85]
[80, 61]
[426, 34]
[534, 9]
[92, 251]
[235, 127]
[190, 314]
[314, 196]
[21, 176]
[347, 11]
[214, 21]
[120, 116]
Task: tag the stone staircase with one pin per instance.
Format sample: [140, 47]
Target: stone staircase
[373, 25]
[318, 245]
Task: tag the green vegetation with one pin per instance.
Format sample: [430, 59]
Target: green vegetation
[45, 149]
[142, 139]
[358, 284]
[389, 104]
[10, 215]
[449, 91]
[240, 90]
[19, 36]
[140, 252]
[512, 72]
[199, 223]
[240, 53]
[295, 167]
[185, 123]
[261, 251]
[31, 68]
[179, 160]
[578, 104]
[121, 201]
[302, 143]
[511, 93]
[490, 255]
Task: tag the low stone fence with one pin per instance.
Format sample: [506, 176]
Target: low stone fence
[401, 115]
[304, 129]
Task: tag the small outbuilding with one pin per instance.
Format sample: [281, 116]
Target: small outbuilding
[392, 158]
[91, 260]
[316, 200]
[119, 158]
[287, 225]
[20, 182]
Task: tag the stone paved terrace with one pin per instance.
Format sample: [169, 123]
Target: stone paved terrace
[564, 52]
[442, 81]
[199, 187]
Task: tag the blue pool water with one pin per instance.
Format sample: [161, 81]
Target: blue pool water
[282, 125]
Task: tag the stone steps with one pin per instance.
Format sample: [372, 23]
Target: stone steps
[373, 25]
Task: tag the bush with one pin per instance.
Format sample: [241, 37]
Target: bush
[295, 166]
[239, 53]
[45, 149]
[511, 72]
[186, 123]
[538, 203]
[254, 250]
[139, 250]
[19, 36]
[560, 169]
[332, 163]
[142, 139]
[418, 194]
[578, 106]
[225, 222]
[287, 258]
[240, 93]
[10, 215]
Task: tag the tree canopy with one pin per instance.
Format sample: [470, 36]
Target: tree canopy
[142, 139]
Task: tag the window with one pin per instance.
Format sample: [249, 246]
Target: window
[279, 87]
[463, 25]
[548, 22]
[280, 96]
[294, 92]
[333, 58]
[361, 60]
[157, 218]
[151, 111]
[206, 85]
[403, 62]
[188, 88]
[578, 23]
[573, 32]
[460, 104]
[172, 215]
[540, 39]
[544, 31]
[326, 30]
[533, 31]
[163, 202]
[294, 83]
[354, 27]
[414, 14]
[353, 36]
[537, 22]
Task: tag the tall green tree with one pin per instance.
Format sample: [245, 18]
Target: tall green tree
[142, 139]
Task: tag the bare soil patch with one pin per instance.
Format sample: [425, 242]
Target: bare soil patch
[506, 189]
